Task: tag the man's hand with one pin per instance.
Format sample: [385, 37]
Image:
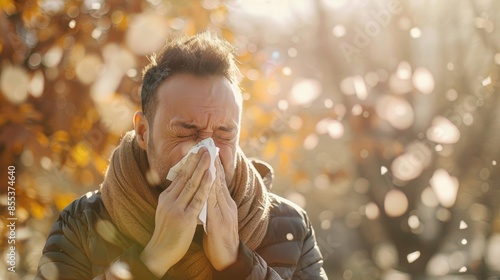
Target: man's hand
[221, 241]
[177, 215]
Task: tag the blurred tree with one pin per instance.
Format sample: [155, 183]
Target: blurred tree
[69, 80]
[393, 109]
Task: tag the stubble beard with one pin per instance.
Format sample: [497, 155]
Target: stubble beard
[157, 165]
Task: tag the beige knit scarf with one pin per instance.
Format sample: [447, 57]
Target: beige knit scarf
[131, 203]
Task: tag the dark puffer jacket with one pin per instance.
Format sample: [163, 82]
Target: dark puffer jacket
[84, 244]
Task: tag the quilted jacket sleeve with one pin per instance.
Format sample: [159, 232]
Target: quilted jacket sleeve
[68, 255]
[251, 266]
[311, 262]
[63, 255]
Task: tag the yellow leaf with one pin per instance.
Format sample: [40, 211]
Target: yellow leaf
[100, 163]
[37, 210]
[42, 139]
[289, 142]
[7, 6]
[62, 200]
[284, 162]
[61, 136]
[81, 153]
[270, 150]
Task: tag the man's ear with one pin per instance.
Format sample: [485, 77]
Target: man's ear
[141, 127]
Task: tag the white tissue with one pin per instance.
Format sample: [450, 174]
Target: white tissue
[213, 151]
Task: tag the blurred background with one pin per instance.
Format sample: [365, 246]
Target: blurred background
[380, 117]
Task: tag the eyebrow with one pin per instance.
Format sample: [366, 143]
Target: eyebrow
[187, 125]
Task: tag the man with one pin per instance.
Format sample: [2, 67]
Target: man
[142, 226]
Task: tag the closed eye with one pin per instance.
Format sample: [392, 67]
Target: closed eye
[225, 135]
[188, 136]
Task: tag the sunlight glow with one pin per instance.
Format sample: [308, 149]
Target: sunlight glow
[438, 265]
[371, 211]
[385, 255]
[445, 187]
[423, 80]
[443, 131]
[143, 36]
[397, 111]
[395, 203]
[278, 10]
[429, 198]
[14, 83]
[493, 251]
[36, 84]
[333, 127]
[305, 91]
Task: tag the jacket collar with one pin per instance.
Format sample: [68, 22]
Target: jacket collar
[265, 171]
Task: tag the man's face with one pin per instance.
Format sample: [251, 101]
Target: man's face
[191, 108]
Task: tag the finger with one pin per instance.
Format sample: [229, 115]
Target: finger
[200, 197]
[229, 200]
[186, 172]
[222, 195]
[192, 162]
[215, 214]
[222, 180]
[194, 182]
[223, 200]
[175, 187]
[220, 174]
[213, 210]
[212, 199]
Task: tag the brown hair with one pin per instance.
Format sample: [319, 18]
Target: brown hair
[203, 54]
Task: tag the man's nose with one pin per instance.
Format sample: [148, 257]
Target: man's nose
[205, 134]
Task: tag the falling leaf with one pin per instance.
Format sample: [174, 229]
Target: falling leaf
[412, 257]
[486, 81]
[383, 170]
[463, 225]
